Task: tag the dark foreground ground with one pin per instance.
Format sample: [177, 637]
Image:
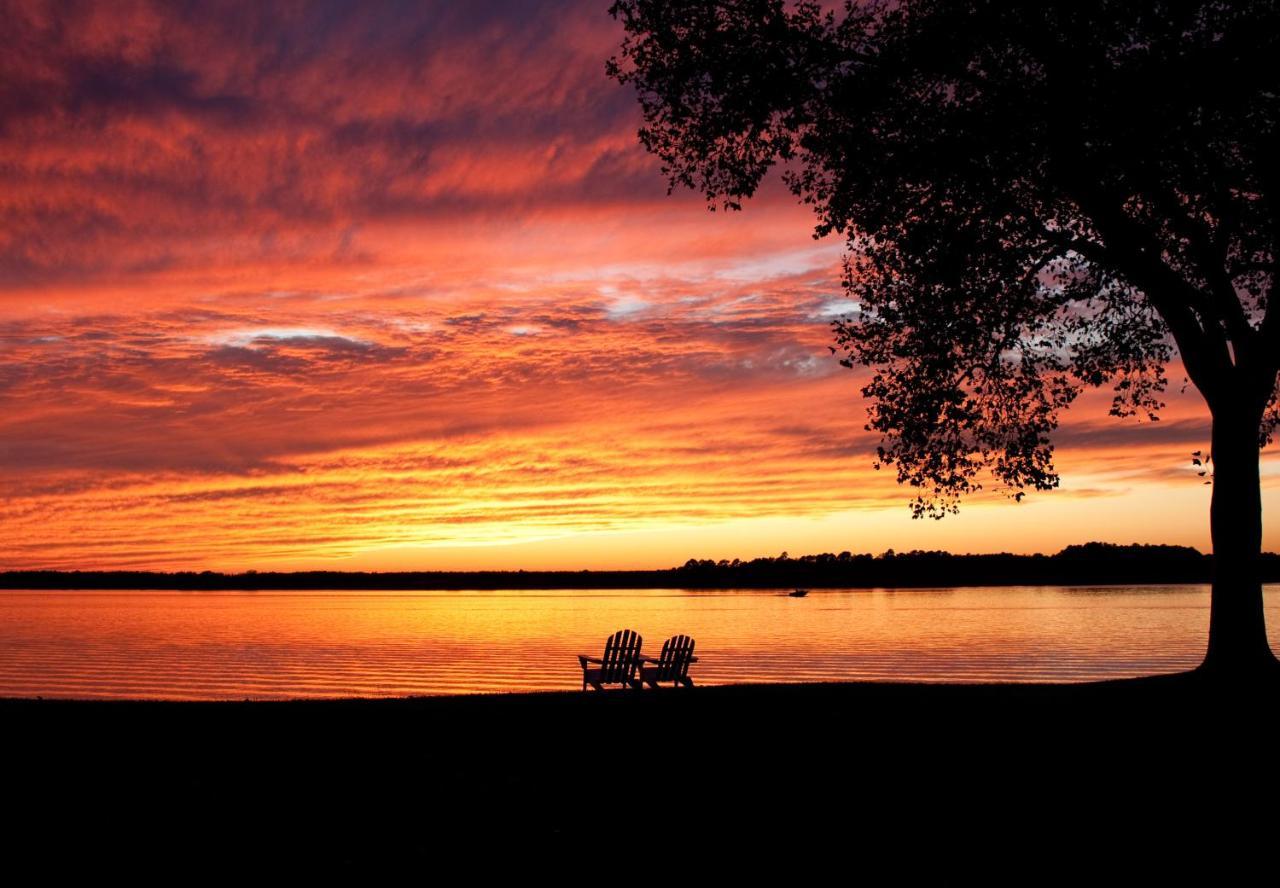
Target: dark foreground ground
[1107, 783]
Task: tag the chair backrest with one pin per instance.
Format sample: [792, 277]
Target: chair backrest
[673, 662]
[621, 656]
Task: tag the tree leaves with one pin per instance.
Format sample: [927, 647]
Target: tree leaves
[1037, 197]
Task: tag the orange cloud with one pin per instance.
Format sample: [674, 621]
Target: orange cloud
[332, 285]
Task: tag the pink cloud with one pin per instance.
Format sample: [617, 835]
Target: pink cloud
[301, 282]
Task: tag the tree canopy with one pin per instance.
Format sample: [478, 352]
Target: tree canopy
[1037, 198]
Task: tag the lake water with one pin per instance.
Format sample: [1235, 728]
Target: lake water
[265, 645]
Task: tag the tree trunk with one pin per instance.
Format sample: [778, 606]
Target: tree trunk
[1237, 628]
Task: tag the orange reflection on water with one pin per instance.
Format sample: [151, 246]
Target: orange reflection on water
[271, 645]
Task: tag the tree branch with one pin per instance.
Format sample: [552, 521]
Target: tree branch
[1210, 254]
[1187, 333]
[1268, 353]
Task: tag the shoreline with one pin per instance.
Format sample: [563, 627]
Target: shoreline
[1163, 687]
[406, 586]
[1183, 680]
[1086, 564]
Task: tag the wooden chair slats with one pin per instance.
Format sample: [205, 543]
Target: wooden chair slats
[672, 664]
[624, 664]
[619, 665]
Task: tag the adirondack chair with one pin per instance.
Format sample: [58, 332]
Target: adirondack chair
[619, 665]
[672, 664]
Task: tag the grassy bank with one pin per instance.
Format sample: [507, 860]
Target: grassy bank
[920, 778]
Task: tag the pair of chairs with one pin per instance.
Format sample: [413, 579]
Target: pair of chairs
[624, 664]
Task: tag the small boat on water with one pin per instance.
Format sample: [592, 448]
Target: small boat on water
[799, 593]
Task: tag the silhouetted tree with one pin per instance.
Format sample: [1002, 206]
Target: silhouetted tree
[1037, 197]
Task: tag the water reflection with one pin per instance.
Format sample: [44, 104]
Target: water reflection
[233, 645]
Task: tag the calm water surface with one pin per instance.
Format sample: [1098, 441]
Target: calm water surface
[235, 645]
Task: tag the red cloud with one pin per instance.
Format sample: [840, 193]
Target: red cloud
[298, 282]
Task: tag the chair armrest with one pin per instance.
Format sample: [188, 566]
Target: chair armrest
[657, 660]
[584, 660]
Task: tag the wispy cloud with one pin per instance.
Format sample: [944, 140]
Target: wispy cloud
[298, 281]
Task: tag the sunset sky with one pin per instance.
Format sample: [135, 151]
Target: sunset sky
[393, 286]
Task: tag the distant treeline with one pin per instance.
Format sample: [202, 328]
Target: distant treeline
[1089, 564]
